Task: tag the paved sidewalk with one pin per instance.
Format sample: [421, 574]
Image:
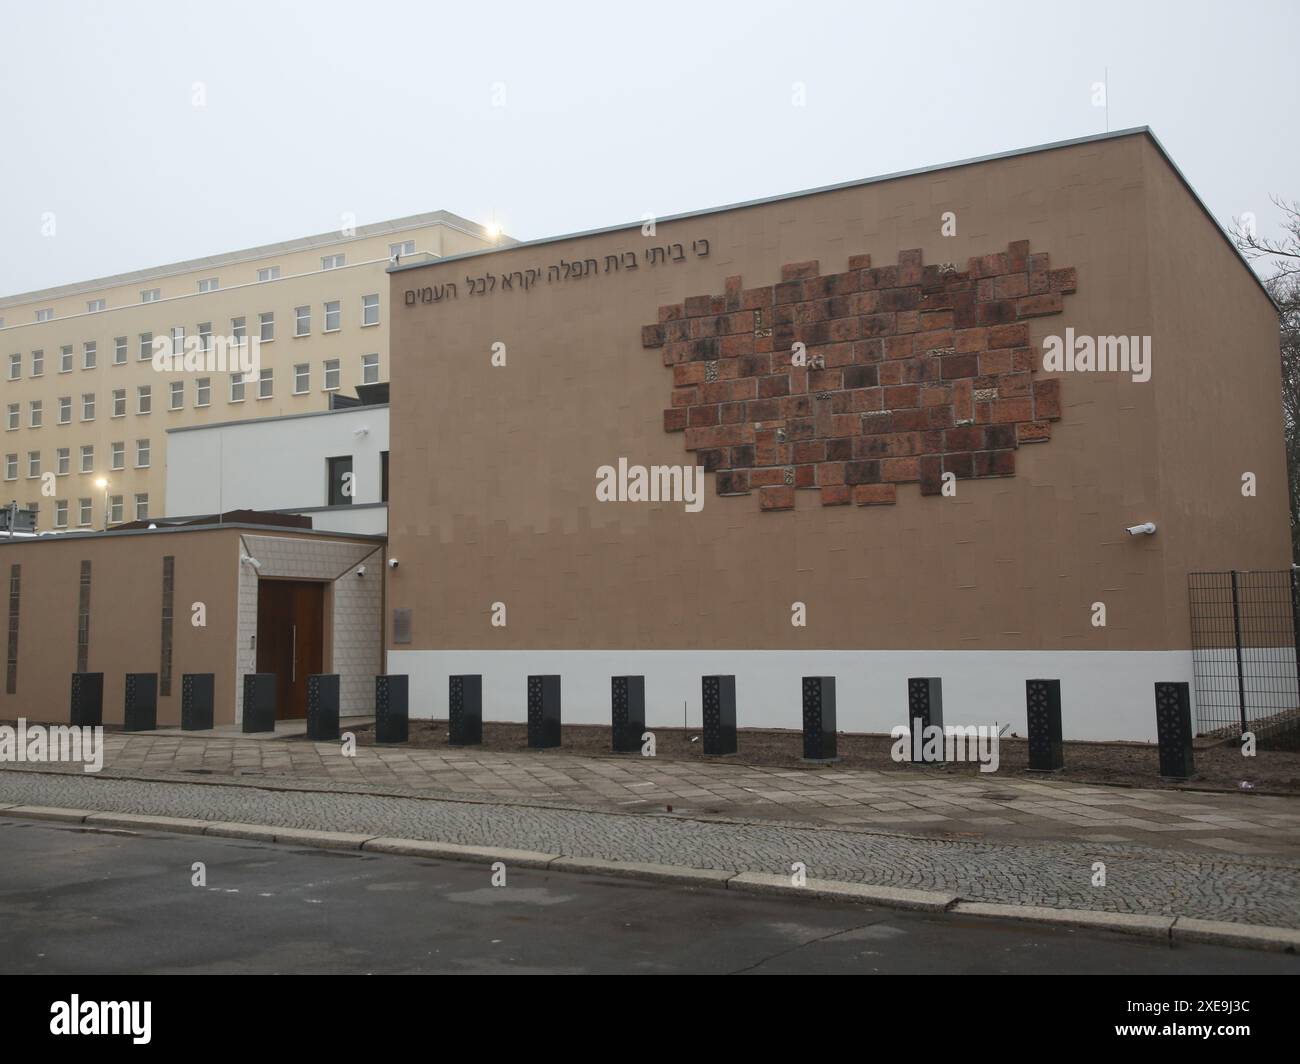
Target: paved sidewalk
[1059, 874]
[929, 800]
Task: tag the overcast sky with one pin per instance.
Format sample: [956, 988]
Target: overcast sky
[555, 117]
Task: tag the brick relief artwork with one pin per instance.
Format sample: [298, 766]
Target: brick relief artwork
[907, 372]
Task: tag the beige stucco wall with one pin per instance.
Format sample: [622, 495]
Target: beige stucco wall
[493, 471]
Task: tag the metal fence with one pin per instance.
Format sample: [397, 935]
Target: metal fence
[1245, 652]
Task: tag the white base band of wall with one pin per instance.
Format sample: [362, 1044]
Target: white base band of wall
[1104, 694]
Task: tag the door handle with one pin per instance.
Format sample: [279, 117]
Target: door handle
[293, 678]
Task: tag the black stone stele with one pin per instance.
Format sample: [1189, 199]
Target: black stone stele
[323, 707]
[627, 713]
[197, 700]
[259, 702]
[924, 702]
[1043, 705]
[719, 715]
[543, 712]
[392, 718]
[1174, 730]
[819, 719]
[465, 710]
[141, 709]
[87, 700]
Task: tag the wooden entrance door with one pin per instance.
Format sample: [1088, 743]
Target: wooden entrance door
[290, 639]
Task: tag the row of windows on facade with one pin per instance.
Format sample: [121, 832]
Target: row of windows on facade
[265, 384]
[211, 284]
[63, 460]
[238, 331]
[85, 510]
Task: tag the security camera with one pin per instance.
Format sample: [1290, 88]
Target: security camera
[248, 559]
[361, 570]
[392, 563]
[1147, 528]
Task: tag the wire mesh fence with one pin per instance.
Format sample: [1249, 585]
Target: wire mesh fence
[1245, 652]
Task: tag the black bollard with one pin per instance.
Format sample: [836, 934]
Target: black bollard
[819, 718]
[627, 713]
[1174, 730]
[465, 710]
[392, 709]
[141, 708]
[87, 709]
[197, 700]
[924, 710]
[719, 715]
[323, 707]
[543, 712]
[259, 702]
[1043, 705]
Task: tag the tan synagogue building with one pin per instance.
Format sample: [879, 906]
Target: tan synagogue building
[896, 483]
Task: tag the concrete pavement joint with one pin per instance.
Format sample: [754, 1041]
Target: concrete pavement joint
[1172, 929]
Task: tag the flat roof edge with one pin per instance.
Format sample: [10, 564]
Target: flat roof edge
[64, 537]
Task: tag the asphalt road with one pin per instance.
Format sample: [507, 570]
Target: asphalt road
[93, 901]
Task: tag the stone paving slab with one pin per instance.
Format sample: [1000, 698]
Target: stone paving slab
[1140, 880]
[929, 799]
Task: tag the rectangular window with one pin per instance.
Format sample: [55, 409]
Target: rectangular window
[266, 326]
[383, 476]
[331, 262]
[65, 358]
[11, 467]
[119, 402]
[14, 417]
[119, 351]
[236, 387]
[203, 391]
[89, 355]
[142, 454]
[87, 457]
[146, 347]
[178, 339]
[63, 458]
[65, 410]
[151, 295]
[94, 306]
[115, 509]
[205, 335]
[339, 477]
[88, 406]
[332, 375]
[238, 328]
[370, 310]
[15, 367]
[144, 399]
[301, 321]
[45, 315]
[35, 414]
[268, 273]
[38, 363]
[61, 513]
[209, 284]
[142, 507]
[177, 395]
[301, 378]
[333, 316]
[33, 463]
[369, 369]
[117, 455]
[265, 384]
[405, 247]
[84, 512]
